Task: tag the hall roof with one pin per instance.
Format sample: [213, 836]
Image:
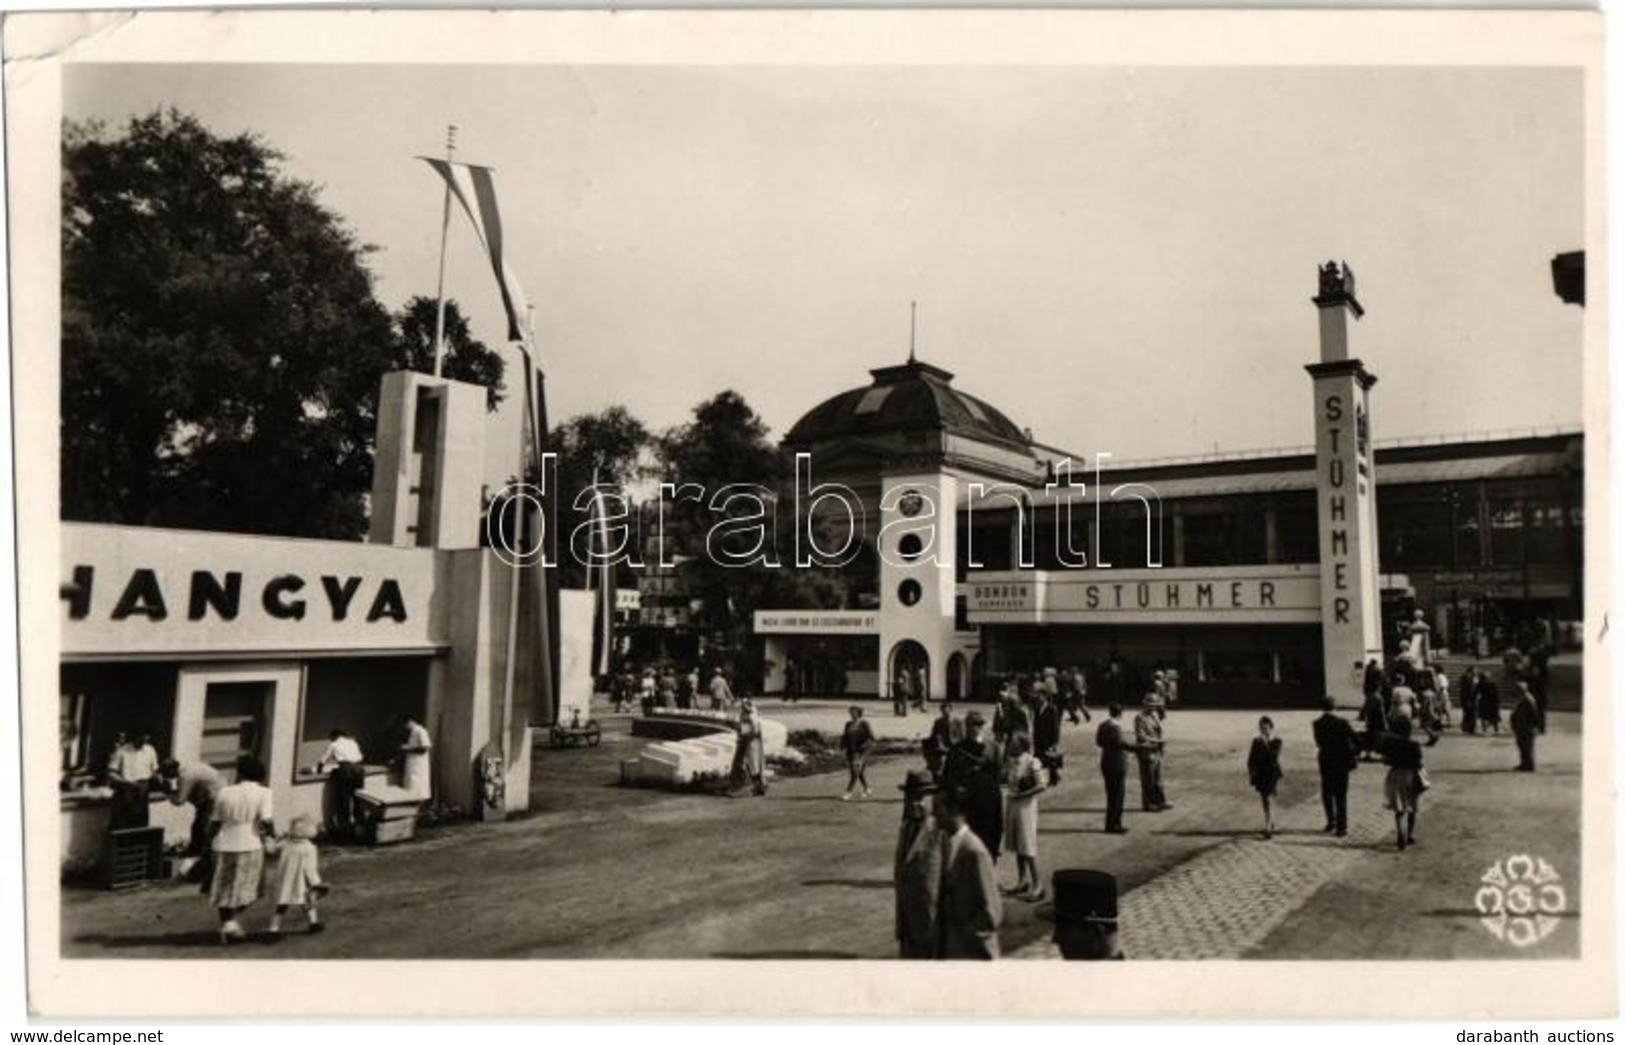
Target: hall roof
[913, 396]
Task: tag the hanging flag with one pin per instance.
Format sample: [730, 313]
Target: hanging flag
[605, 572]
[475, 189]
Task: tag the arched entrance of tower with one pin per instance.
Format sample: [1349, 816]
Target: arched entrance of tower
[956, 677]
[908, 660]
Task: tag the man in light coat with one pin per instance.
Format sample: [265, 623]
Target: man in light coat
[969, 912]
[1148, 745]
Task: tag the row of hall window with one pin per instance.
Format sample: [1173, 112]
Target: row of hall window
[1440, 526]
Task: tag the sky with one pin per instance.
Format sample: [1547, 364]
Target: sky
[1120, 259]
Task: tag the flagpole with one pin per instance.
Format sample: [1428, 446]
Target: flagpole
[440, 287]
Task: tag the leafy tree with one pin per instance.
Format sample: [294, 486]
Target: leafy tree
[609, 444]
[467, 359]
[726, 444]
[221, 342]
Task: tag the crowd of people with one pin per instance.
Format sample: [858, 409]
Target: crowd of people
[233, 832]
[983, 781]
[666, 688]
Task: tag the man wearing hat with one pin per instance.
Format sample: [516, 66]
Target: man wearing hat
[946, 731]
[1338, 751]
[1086, 916]
[1148, 750]
[975, 765]
[917, 871]
[1047, 737]
[968, 908]
[1113, 766]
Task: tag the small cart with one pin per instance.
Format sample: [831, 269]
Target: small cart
[575, 731]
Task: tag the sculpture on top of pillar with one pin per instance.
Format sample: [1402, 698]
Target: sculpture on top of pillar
[1418, 649]
[1337, 287]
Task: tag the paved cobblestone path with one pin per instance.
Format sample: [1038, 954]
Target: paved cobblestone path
[1225, 901]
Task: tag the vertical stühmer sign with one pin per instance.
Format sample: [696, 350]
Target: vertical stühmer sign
[1345, 485]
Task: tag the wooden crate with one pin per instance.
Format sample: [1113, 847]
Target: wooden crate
[383, 821]
[132, 855]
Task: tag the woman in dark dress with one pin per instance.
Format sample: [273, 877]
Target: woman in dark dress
[1403, 789]
[1264, 769]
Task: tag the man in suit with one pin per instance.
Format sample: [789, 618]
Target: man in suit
[946, 731]
[968, 909]
[1526, 722]
[917, 871]
[1047, 738]
[1114, 751]
[1338, 749]
[1148, 750]
[975, 766]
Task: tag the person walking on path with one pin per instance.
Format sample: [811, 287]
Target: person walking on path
[1405, 783]
[297, 878]
[722, 695]
[1148, 747]
[1264, 769]
[856, 740]
[1047, 739]
[1338, 753]
[1489, 703]
[946, 731]
[900, 693]
[975, 767]
[968, 909]
[1114, 751]
[917, 871]
[1077, 696]
[1021, 817]
[1468, 688]
[242, 819]
[1526, 722]
[1375, 717]
[921, 689]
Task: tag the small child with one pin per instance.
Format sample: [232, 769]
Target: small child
[297, 879]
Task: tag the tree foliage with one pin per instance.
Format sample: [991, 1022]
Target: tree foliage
[727, 445]
[467, 358]
[610, 445]
[221, 343]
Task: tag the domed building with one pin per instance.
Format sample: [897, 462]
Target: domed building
[1247, 579]
[901, 456]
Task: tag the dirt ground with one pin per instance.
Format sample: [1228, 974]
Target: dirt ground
[599, 871]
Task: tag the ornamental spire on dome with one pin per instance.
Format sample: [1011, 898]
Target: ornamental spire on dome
[911, 307]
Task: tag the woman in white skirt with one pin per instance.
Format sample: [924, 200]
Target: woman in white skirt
[1406, 781]
[297, 881]
[242, 819]
[1021, 816]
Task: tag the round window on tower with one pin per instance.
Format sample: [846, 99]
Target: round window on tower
[909, 546]
[909, 592]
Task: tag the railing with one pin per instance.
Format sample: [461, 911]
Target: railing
[1085, 462]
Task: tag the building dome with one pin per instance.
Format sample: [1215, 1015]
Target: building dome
[912, 397]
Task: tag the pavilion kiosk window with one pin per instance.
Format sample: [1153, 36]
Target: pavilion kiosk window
[100, 701]
[366, 697]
